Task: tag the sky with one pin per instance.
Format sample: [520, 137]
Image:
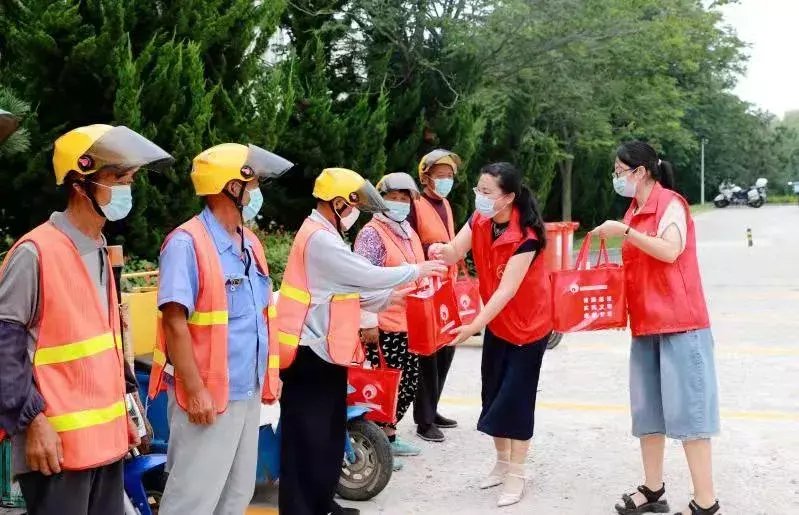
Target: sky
[771, 27]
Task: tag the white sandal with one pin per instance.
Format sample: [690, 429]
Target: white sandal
[495, 478]
[510, 498]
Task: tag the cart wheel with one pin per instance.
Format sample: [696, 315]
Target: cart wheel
[554, 340]
[369, 475]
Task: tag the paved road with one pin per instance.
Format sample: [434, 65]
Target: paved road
[584, 456]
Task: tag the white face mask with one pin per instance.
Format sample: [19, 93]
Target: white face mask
[486, 206]
[348, 221]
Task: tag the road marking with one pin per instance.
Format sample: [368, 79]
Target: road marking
[261, 510]
[621, 408]
[722, 350]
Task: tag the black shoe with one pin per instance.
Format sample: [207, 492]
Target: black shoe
[698, 510]
[444, 422]
[337, 509]
[655, 503]
[430, 434]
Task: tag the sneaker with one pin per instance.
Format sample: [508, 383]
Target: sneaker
[430, 434]
[403, 448]
[444, 422]
[397, 465]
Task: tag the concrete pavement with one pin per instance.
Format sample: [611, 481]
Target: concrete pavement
[583, 456]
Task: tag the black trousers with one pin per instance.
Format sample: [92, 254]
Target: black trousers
[433, 373]
[96, 491]
[313, 424]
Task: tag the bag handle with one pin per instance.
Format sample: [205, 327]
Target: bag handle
[431, 284]
[603, 257]
[585, 250]
[582, 257]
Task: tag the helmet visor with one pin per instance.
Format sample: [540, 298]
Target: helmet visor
[437, 155]
[367, 199]
[123, 148]
[8, 125]
[266, 165]
[398, 182]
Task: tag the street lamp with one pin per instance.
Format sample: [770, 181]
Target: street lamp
[702, 174]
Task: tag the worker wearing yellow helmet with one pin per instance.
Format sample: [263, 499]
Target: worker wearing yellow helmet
[65, 407]
[431, 217]
[325, 286]
[217, 352]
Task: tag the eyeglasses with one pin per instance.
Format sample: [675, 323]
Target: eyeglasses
[618, 174]
[478, 192]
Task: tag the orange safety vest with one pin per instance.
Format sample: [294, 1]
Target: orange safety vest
[393, 319]
[78, 362]
[431, 228]
[343, 341]
[662, 297]
[208, 325]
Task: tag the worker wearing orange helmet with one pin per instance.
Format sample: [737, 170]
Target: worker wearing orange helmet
[216, 352]
[63, 387]
[431, 217]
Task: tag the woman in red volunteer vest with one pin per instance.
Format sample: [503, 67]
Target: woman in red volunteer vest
[506, 236]
[389, 240]
[673, 387]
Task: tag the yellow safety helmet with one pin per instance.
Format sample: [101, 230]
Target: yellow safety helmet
[86, 150]
[213, 168]
[439, 156]
[8, 125]
[355, 190]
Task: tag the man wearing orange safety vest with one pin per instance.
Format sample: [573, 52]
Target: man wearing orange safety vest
[325, 285]
[431, 217]
[216, 352]
[62, 387]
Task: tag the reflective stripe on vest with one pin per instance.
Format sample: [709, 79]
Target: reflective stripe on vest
[662, 297]
[294, 302]
[78, 363]
[77, 350]
[393, 319]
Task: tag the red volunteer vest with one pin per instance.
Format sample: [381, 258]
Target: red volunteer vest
[662, 297]
[393, 319]
[431, 228]
[527, 317]
[78, 362]
[208, 324]
[343, 341]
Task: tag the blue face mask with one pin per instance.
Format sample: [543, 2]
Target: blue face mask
[250, 211]
[484, 205]
[121, 202]
[624, 187]
[398, 211]
[443, 186]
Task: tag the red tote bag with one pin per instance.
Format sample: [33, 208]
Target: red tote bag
[432, 312]
[589, 299]
[467, 293]
[376, 389]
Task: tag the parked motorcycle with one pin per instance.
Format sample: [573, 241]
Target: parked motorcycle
[144, 483]
[732, 194]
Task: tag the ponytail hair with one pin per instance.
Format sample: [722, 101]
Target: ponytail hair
[638, 153]
[509, 180]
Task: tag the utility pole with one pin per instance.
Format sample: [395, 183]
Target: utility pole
[702, 174]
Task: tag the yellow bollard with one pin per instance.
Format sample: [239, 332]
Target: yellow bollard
[749, 237]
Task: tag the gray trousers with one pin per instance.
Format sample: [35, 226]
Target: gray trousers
[212, 468]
